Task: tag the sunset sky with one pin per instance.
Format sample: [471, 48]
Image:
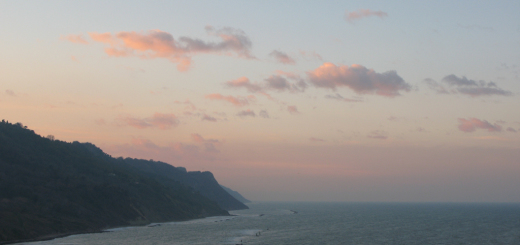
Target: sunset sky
[281, 100]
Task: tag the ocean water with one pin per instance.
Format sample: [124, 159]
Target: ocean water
[329, 223]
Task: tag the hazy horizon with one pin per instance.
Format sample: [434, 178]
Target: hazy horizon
[282, 101]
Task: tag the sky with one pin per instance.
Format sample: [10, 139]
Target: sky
[378, 101]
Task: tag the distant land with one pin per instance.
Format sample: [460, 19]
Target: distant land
[50, 188]
[235, 194]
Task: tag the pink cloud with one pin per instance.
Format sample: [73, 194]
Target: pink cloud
[209, 144]
[358, 78]
[75, 39]
[510, 129]
[175, 152]
[243, 82]
[282, 57]
[292, 109]
[159, 44]
[159, 120]
[470, 125]
[238, 101]
[199, 139]
[164, 121]
[363, 13]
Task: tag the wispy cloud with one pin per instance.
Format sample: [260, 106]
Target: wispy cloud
[341, 98]
[280, 82]
[243, 82]
[378, 134]
[206, 117]
[363, 13]
[75, 38]
[282, 57]
[159, 44]
[246, 113]
[510, 129]
[474, 88]
[209, 144]
[463, 85]
[470, 125]
[158, 120]
[477, 27]
[10, 92]
[238, 101]
[311, 55]
[358, 78]
[313, 139]
[263, 113]
[292, 109]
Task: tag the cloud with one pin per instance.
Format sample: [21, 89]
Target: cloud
[246, 113]
[292, 109]
[159, 120]
[432, 84]
[75, 39]
[100, 121]
[312, 139]
[263, 113]
[341, 98]
[477, 27]
[282, 57]
[358, 78]
[208, 118]
[159, 44]
[198, 138]
[378, 134]
[466, 86]
[470, 125]
[420, 129]
[10, 92]
[363, 13]
[510, 129]
[243, 82]
[209, 144]
[311, 55]
[175, 152]
[238, 101]
[279, 83]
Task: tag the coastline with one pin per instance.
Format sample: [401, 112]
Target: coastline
[104, 230]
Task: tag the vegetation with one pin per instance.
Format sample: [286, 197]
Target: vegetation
[51, 188]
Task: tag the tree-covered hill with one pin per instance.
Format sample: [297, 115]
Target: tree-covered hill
[50, 188]
[203, 182]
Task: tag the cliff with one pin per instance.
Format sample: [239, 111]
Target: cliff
[50, 188]
[203, 182]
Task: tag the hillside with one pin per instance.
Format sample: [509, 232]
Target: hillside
[203, 182]
[51, 188]
[235, 194]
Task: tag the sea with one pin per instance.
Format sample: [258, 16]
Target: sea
[328, 223]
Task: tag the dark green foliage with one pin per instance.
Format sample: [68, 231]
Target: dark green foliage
[203, 182]
[49, 187]
[236, 195]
